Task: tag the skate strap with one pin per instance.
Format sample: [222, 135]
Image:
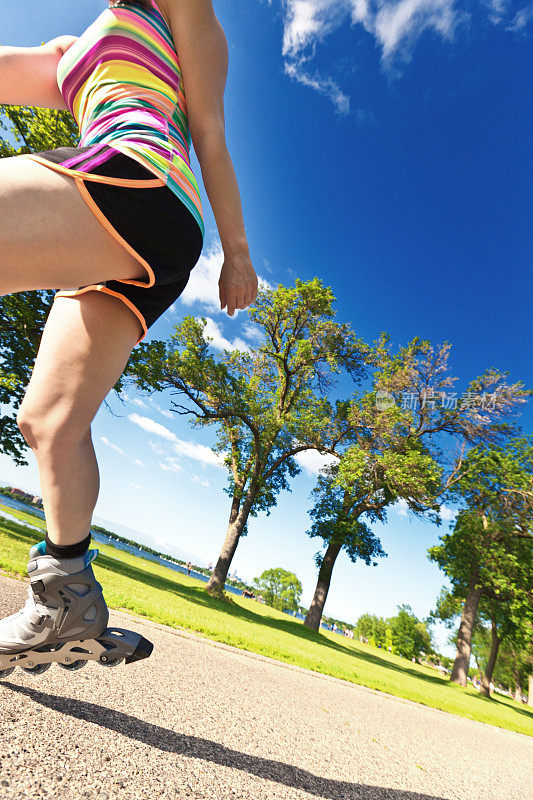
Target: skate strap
[90, 557]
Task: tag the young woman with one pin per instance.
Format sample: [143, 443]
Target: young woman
[116, 226]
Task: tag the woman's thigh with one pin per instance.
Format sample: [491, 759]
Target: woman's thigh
[49, 237]
[84, 349]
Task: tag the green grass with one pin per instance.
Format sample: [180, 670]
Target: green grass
[165, 596]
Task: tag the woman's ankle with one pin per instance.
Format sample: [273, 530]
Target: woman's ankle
[69, 550]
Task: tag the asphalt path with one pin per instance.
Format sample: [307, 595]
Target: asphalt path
[206, 721]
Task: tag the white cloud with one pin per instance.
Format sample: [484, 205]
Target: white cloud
[497, 9]
[135, 486]
[198, 452]
[201, 481]
[171, 465]
[400, 507]
[253, 332]
[396, 26]
[219, 342]
[312, 461]
[203, 283]
[156, 448]
[447, 514]
[309, 21]
[139, 462]
[521, 19]
[151, 426]
[164, 411]
[140, 403]
[322, 85]
[115, 447]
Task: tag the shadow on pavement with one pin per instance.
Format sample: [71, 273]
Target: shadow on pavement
[194, 747]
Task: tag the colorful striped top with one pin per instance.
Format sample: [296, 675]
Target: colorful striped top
[122, 82]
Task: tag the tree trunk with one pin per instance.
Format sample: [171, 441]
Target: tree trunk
[464, 638]
[491, 663]
[530, 691]
[517, 685]
[237, 521]
[314, 615]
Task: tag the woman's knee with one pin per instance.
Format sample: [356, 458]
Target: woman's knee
[51, 430]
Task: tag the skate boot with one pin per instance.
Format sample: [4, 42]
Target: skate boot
[64, 620]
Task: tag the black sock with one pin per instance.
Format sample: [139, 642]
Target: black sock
[68, 550]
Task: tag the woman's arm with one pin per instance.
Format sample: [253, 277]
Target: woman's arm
[203, 53]
[28, 75]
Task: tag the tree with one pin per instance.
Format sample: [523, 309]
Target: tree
[410, 636]
[267, 402]
[394, 451]
[336, 523]
[280, 589]
[488, 556]
[23, 315]
[372, 627]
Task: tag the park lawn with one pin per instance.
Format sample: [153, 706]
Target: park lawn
[163, 595]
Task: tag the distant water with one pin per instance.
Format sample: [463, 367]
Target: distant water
[99, 537]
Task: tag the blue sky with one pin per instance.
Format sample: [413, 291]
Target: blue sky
[384, 147]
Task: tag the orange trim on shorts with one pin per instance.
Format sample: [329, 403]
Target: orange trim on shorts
[101, 288]
[147, 183]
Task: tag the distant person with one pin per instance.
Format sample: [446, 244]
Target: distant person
[189, 565]
[116, 225]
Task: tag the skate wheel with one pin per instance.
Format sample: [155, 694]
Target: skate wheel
[113, 662]
[38, 669]
[74, 666]
[5, 673]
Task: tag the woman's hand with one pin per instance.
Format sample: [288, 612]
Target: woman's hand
[237, 285]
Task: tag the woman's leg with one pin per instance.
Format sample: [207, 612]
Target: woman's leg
[49, 237]
[85, 346]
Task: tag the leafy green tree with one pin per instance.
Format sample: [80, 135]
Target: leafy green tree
[336, 522]
[268, 403]
[372, 627]
[394, 450]
[410, 636]
[280, 589]
[488, 554]
[23, 315]
[379, 631]
[365, 626]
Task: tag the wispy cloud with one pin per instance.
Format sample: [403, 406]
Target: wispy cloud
[171, 465]
[521, 19]
[396, 27]
[114, 447]
[322, 85]
[164, 411]
[213, 330]
[151, 426]
[202, 481]
[198, 452]
[140, 403]
[400, 507]
[135, 486]
[139, 462]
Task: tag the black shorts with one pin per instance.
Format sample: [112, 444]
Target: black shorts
[145, 217]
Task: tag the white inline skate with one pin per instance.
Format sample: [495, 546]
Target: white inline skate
[64, 620]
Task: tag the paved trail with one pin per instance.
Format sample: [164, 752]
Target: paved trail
[204, 721]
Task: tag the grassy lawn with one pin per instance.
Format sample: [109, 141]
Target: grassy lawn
[165, 596]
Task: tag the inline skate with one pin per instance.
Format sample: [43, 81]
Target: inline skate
[64, 620]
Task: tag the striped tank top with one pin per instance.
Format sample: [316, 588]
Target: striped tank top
[122, 82]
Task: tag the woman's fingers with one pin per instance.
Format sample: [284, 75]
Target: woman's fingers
[237, 285]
